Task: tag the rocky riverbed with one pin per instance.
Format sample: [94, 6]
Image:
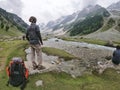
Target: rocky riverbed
[93, 57]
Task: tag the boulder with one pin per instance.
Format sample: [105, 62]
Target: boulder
[39, 83]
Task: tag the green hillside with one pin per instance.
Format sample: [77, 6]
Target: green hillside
[89, 25]
[11, 25]
[7, 29]
[118, 25]
[109, 24]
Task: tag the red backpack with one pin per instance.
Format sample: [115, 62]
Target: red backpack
[17, 72]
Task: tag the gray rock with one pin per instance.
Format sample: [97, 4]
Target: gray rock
[39, 83]
[104, 65]
[73, 76]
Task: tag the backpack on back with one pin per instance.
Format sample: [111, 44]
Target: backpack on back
[116, 57]
[17, 72]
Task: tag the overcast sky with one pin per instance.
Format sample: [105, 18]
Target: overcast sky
[46, 10]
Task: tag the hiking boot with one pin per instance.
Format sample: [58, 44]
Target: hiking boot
[35, 67]
[40, 67]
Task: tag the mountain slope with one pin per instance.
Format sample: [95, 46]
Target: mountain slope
[92, 11]
[83, 23]
[111, 28]
[109, 31]
[114, 9]
[87, 26]
[69, 22]
[94, 20]
[114, 6]
[11, 25]
[14, 19]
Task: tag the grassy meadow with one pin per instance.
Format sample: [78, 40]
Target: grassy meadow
[58, 52]
[109, 80]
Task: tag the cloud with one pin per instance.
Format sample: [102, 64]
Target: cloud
[89, 2]
[46, 10]
[14, 6]
[106, 3]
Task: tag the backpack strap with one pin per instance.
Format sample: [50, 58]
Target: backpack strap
[8, 71]
[26, 72]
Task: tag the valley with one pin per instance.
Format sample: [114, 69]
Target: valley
[77, 49]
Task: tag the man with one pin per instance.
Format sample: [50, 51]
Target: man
[116, 56]
[34, 37]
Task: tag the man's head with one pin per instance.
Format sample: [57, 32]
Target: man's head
[32, 19]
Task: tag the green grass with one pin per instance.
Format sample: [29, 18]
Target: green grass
[116, 43]
[58, 52]
[87, 40]
[12, 32]
[109, 80]
[9, 50]
[110, 23]
[18, 52]
[105, 28]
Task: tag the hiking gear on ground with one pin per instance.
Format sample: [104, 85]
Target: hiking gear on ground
[17, 72]
[35, 67]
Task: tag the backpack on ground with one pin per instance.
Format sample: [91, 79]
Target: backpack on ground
[17, 72]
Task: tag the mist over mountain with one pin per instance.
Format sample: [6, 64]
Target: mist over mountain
[114, 6]
[114, 9]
